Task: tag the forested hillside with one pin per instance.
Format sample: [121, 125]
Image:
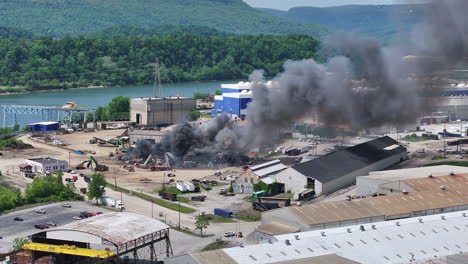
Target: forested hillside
[380, 21]
[76, 17]
[159, 31]
[47, 63]
[15, 33]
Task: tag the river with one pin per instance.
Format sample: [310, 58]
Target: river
[99, 96]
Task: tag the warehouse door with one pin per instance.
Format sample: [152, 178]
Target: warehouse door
[138, 118]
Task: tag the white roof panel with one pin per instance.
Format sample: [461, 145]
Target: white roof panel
[269, 163]
[400, 241]
[271, 169]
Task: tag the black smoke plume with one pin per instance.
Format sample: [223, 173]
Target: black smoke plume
[369, 86]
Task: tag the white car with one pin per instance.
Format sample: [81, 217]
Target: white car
[40, 211]
[67, 205]
[73, 172]
[51, 224]
[77, 218]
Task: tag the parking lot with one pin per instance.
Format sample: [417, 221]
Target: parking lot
[11, 229]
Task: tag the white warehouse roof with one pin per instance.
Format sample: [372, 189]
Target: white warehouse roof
[400, 241]
[411, 173]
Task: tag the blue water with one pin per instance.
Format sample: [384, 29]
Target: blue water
[97, 97]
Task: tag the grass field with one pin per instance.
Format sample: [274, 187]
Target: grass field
[219, 219]
[160, 202]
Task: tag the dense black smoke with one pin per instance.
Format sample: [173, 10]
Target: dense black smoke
[369, 86]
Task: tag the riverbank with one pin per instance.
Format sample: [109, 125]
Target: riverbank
[54, 90]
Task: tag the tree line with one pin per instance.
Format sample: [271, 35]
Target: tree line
[80, 61]
[49, 188]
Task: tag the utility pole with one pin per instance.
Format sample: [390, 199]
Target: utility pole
[157, 79]
[445, 149]
[179, 214]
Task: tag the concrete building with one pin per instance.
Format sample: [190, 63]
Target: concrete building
[136, 135]
[376, 181]
[26, 170]
[411, 240]
[428, 198]
[339, 169]
[47, 165]
[161, 111]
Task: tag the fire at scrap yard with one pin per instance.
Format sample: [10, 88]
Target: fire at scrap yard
[191, 146]
[317, 163]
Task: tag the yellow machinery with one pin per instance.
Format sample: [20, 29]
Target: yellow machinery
[69, 250]
[70, 105]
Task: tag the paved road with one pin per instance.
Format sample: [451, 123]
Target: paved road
[55, 213]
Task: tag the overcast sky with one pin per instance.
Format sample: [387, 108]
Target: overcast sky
[286, 4]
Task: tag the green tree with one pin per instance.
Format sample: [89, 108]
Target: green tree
[27, 129]
[200, 95]
[19, 242]
[218, 92]
[202, 222]
[194, 115]
[96, 187]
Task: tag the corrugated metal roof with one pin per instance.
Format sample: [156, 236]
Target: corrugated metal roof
[460, 258]
[456, 194]
[450, 182]
[326, 259]
[270, 170]
[275, 229]
[337, 164]
[213, 256]
[117, 228]
[266, 164]
[389, 242]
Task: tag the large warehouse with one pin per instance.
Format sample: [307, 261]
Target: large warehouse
[340, 169]
[105, 238]
[371, 184]
[428, 238]
[428, 198]
[161, 111]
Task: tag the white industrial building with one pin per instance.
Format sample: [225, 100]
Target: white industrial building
[426, 238]
[337, 170]
[137, 135]
[47, 165]
[377, 181]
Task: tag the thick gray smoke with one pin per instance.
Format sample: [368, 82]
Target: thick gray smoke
[369, 86]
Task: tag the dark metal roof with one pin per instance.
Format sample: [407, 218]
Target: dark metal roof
[337, 164]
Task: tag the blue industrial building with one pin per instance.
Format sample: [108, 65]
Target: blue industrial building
[234, 100]
[44, 126]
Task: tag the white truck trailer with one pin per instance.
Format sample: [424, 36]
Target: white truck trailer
[181, 186]
[112, 202]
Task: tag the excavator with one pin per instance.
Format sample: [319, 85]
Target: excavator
[89, 164]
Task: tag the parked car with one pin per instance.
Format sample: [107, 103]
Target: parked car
[40, 226]
[229, 234]
[171, 175]
[91, 214]
[99, 213]
[18, 219]
[51, 224]
[72, 172]
[40, 211]
[77, 218]
[67, 205]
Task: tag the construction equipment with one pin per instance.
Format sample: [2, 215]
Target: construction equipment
[89, 164]
[70, 105]
[69, 250]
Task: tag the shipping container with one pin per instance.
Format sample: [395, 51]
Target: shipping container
[181, 186]
[168, 196]
[223, 212]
